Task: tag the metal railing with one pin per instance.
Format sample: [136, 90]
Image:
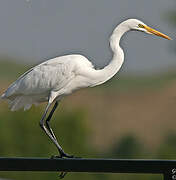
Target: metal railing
[165, 167]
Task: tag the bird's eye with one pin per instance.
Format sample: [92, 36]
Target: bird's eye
[140, 25]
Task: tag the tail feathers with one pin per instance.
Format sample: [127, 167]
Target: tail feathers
[20, 102]
[2, 96]
[27, 106]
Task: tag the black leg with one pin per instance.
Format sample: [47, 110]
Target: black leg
[49, 118]
[49, 131]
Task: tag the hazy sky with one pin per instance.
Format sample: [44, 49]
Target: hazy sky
[41, 29]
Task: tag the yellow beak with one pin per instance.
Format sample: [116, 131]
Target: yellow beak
[155, 32]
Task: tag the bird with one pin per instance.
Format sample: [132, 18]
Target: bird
[56, 78]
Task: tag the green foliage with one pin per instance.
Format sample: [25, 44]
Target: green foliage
[20, 135]
[171, 16]
[167, 149]
[11, 70]
[127, 147]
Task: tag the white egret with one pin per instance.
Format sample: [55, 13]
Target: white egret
[50, 81]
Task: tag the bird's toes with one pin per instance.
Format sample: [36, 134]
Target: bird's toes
[62, 156]
[55, 157]
[62, 175]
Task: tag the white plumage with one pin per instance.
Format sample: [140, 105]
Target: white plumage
[55, 78]
[35, 86]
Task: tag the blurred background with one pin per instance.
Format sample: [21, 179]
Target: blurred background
[131, 116]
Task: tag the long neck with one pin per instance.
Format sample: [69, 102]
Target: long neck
[118, 56]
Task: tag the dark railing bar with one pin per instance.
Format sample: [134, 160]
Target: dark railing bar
[165, 167]
[169, 176]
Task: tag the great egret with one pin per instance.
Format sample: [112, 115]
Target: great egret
[50, 81]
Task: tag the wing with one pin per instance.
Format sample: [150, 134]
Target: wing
[53, 75]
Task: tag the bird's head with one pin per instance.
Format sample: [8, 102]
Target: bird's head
[137, 25]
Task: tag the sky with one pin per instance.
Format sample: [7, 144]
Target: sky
[36, 30]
